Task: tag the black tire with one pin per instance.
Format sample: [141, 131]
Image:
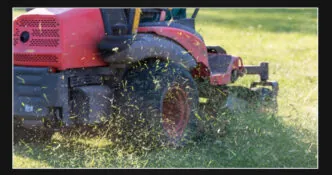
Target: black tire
[147, 98]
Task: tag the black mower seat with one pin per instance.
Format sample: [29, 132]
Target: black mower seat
[176, 24]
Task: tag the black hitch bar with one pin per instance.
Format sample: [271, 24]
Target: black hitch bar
[263, 71]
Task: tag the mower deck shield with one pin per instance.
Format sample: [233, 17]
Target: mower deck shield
[37, 92]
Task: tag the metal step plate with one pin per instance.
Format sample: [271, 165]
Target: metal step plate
[219, 63]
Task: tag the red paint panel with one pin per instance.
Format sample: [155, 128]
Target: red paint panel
[200, 71]
[189, 41]
[63, 38]
[223, 79]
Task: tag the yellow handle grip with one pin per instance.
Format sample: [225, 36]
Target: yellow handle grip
[136, 20]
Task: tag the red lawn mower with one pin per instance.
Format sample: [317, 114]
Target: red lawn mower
[73, 66]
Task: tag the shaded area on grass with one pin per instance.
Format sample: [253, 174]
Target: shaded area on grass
[252, 140]
[250, 143]
[246, 145]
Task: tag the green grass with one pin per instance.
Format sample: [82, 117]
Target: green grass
[288, 40]
[17, 12]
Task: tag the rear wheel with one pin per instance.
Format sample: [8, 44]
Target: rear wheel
[175, 111]
[159, 101]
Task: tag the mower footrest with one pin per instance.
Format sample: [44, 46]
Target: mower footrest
[219, 63]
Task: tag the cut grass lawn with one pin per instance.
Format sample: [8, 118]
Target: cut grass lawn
[288, 40]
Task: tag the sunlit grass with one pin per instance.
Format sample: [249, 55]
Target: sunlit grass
[21, 162]
[288, 40]
[17, 12]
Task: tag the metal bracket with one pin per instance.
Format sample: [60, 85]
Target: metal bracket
[262, 70]
[273, 84]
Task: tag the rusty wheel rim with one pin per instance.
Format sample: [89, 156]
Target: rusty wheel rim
[176, 111]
